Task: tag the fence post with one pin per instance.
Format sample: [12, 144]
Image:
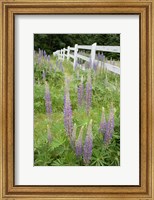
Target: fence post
[63, 53]
[93, 53]
[75, 54]
[68, 52]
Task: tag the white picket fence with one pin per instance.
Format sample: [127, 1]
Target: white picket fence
[67, 53]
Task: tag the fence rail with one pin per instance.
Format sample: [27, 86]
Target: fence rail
[61, 54]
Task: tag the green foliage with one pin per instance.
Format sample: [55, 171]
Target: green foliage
[105, 89]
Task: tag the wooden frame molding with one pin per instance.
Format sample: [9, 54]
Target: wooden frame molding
[8, 10]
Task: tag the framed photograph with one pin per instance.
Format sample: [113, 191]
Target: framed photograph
[76, 99]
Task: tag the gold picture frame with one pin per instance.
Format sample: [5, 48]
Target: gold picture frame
[145, 10]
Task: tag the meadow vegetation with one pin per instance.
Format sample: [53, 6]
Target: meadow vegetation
[76, 114]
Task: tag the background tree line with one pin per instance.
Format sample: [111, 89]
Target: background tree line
[53, 42]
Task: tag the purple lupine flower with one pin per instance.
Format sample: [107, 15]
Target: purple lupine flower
[111, 118]
[88, 97]
[44, 53]
[75, 65]
[109, 127]
[39, 57]
[73, 136]
[39, 60]
[78, 144]
[88, 145]
[102, 57]
[48, 58]
[99, 56]
[81, 92]
[49, 135]
[67, 110]
[47, 100]
[44, 75]
[103, 123]
[95, 65]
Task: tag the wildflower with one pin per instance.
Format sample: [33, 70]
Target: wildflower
[39, 60]
[40, 53]
[99, 56]
[103, 123]
[78, 144]
[109, 127]
[87, 150]
[67, 110]
[88, 93]
[48, 58]
[75, 65]
[111, 119]
[95, 65]
[44, 53]
[102, 57]
[81, 92]
[49, 135]
[47, 100]
[73, 136]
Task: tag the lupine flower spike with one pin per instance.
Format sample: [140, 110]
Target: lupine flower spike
[95, 65]
[67, 110]
[88, 93]
[78, 144]
[49, 134]
[109, 127]
[88, 145]
[48, 58]
[81, 93]
[47, 100]
[76, 65]
[103, 123]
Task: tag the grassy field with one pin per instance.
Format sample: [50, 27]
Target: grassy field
[52, 143]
